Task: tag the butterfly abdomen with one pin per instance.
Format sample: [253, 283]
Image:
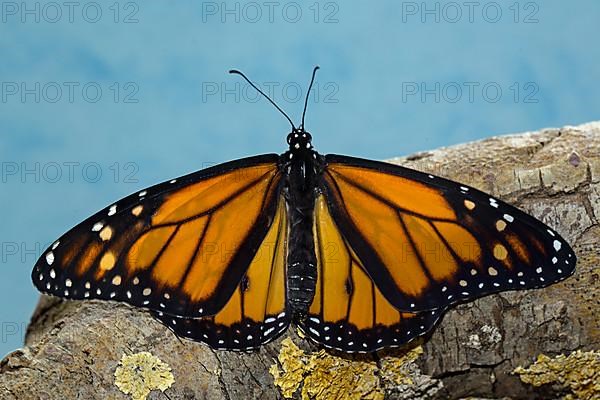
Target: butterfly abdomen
[302, 261]
[303, 173]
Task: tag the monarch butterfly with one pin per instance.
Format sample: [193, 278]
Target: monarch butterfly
[360, 255]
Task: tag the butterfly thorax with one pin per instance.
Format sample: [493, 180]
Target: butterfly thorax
[302, 167]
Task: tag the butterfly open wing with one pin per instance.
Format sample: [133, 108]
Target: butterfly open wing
[255, 314]
[180, 247]
[428, 242]
[349, 312]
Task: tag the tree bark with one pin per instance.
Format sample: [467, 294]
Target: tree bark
[73, 348]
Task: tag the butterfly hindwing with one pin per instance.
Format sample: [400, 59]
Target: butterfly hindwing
[256, 312]
[428, 242]
[348, 312]
[180, 247]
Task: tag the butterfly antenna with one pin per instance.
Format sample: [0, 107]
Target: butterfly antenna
[235, 71]
[312, 80]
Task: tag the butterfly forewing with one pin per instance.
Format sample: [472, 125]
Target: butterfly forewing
[256, 312]
[180, 247]
[428, 242]
[348, 312]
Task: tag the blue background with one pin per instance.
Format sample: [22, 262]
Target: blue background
[151, 98]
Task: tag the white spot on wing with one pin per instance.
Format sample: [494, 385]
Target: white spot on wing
[508, 217]
[268, 331]
[557, 245]
[112, 210]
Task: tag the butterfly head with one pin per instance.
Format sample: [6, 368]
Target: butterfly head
[299, 140]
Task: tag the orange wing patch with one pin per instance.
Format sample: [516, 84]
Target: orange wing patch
[262, 291]
[348, 311]
[416, 197]
[419, 253]
[255, 313]
[201, 197]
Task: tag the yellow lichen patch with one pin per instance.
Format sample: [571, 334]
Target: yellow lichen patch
[325, 376]
[138, 374]
[294, 362]
[579, 372]
[352, 379]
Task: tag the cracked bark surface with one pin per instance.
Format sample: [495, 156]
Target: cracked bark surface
[73, 348]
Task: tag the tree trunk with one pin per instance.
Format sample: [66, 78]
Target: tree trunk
[73, 348]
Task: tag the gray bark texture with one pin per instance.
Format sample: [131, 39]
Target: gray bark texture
[73, 348]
